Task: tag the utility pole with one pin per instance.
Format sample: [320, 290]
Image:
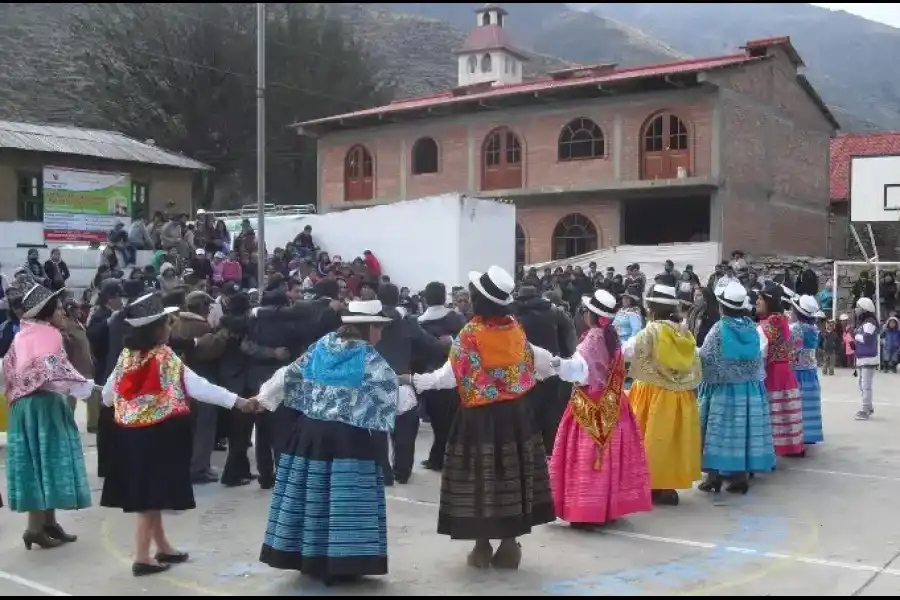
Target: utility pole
[261, 138]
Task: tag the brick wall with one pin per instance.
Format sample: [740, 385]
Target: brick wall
[774, 160]
[165, 184]
[539, 220]
[460, 142]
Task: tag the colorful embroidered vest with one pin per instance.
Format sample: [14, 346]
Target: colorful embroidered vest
[778, 333]
[149, 387]
[492, 362]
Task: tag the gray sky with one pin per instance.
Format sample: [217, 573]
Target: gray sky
[888, 13]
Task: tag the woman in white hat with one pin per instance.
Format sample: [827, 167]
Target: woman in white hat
[781, 383]
[598, 471]
[735, 425]
[666, 372]
[150, 391]
[328, 517]
[495, 484]
[45, 469]
[805, 340]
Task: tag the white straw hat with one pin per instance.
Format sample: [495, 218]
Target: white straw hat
[496, 285]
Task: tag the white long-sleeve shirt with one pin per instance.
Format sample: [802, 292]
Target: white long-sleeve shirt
[196, 387]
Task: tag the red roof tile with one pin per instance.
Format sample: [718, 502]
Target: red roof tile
[545, 83]
[847, 146]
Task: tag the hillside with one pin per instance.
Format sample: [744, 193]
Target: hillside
[849, 59]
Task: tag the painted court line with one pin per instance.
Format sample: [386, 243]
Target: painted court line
[843, 474]
[711, 546]
[33, 585]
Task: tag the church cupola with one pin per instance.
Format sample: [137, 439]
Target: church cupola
[488, 55]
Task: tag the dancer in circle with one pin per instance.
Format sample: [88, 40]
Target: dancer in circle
[735, 424]
[805, 342]
[666, 372]
[45, 469]
[495, 484]
[598, 471]
[150, 391]
[328, 517]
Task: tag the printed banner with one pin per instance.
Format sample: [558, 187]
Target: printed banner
[83, 206]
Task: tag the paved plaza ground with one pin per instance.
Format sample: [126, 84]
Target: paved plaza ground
[825, 525]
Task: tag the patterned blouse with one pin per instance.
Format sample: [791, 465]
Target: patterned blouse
[805, 342]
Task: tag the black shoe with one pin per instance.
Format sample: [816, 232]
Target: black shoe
[738, 487]
[58, 533]
[401, 479]
[237, 483]
[143, 569]
[41, 540]
[427, 464]
[221, 447]
[266, 483]
[172, 559]
[204, 478]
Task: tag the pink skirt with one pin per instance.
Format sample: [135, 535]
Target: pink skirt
[582, 494]
[786, 408]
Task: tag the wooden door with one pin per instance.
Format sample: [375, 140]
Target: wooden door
[665, 148]
[501, 160]
[359, 171]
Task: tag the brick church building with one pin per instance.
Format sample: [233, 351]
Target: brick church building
[732, 149]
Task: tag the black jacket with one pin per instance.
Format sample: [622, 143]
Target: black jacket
[404, 342]
[547, 326]
[98, 334]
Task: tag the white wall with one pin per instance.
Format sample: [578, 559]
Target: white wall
[439, 238]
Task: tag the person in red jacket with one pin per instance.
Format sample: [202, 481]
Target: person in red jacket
[372, 263]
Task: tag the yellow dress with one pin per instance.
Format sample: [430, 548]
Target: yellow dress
[666, 372]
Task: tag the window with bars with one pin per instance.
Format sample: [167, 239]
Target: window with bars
[140, 200]
[30, 197]
[581, 139]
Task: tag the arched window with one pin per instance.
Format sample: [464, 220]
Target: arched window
[574, 235]
[485, 19]
[665, 147]
[473, 64]
[359, 174]
[581, 138]
[501, 160]
[486, 66]
[424, 156]
[520, 246]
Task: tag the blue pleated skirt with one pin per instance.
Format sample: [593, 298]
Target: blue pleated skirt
[735, 428]
[328, 515]
[811, 398]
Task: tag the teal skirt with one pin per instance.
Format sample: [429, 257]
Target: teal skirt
[44, 460]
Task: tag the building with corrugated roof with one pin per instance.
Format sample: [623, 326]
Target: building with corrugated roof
[732, 149]
[159, 180]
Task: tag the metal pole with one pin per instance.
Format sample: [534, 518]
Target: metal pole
[261, 138]
[834, 292]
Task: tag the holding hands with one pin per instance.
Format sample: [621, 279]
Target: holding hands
[247, 405]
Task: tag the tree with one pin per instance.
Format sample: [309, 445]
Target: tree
[184, 75]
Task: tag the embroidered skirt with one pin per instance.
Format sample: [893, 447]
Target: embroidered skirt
[811, 405]
[785, 408]
[584, 494]
[149, 468]
[44, 458]
[736, 428]
[495, 483]
[669, 422]
[328, 515]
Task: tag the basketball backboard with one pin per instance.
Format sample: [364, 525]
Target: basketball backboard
[875, 189]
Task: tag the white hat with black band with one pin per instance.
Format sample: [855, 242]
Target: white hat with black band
[601, 303]
[365, 311]
[733, 296]
[663, 294]
[496, 285]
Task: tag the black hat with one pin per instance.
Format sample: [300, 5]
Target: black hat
[36, 299]
[772, 290]
[147, 309]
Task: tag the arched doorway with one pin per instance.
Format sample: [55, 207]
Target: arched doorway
[359, 174]
[501, 161]
[574, 235]
[521, 242]
[664, 147]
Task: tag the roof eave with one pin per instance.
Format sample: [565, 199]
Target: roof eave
[199, 166]
[514, 51]
[817, 99]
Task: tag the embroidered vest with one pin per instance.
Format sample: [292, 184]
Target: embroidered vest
[149, 387]
[492, 362]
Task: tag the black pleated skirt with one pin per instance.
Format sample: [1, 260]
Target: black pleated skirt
[495, 482]
[150, 468]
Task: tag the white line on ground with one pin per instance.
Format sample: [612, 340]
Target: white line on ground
[34, 585]
[844, 474]
[711, 546]
[859, 403]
